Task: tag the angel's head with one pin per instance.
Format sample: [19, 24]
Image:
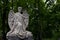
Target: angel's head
[19, 9]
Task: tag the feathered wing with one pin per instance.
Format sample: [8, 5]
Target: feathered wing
[26, 21]
[11, 18]
[26, 16]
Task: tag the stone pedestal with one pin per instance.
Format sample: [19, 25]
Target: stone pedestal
[17, 38]
[13, 38]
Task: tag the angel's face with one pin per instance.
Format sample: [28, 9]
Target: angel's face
[19, 9]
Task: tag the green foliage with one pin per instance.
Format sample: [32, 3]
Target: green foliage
[43, 22]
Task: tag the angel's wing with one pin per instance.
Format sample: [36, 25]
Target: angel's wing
[26, 16]
[11, 18]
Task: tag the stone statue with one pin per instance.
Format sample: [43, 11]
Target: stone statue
[18, 22]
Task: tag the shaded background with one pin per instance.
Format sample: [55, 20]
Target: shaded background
[44, 20]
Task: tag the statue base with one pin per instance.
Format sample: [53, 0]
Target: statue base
[17, 38]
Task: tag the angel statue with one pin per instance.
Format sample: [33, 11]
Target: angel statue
[18, 22]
